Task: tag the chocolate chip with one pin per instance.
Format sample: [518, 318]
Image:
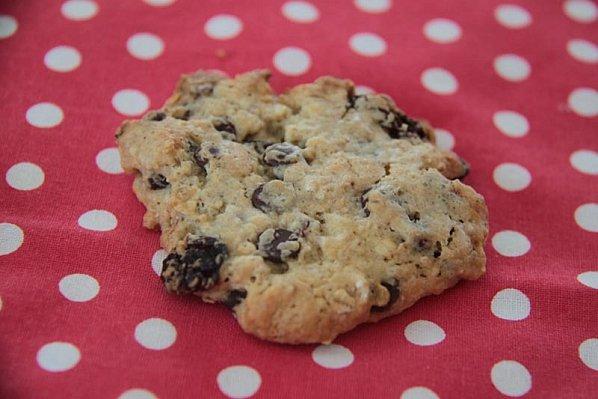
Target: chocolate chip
[194, 150]
[363, 200]
[400, 126]
[438, 249]
[393, 293]
[422, 244]
[414, 217]
[234, 298]
[184, 116]
[157, 182]
[259, 146]
[225, 126]
[197, 268]
[351, 99]
[257, 201]
[465, 169]
[157, 116]
[277, 245]
[282, 154]
[304, 228]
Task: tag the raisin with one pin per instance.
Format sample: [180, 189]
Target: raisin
[197, 268]
[282, 154]
[234, 298]
[214, 151]
[257, 201]
[225, 126]
[277, 245]
[157, 182]
[363, 200]
[393, 293]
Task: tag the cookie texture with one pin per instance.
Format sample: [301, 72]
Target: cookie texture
[306, 213]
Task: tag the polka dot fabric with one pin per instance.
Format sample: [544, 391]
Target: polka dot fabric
[512, 87]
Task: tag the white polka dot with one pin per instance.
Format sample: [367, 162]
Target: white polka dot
[58, 356]
[108, 160]
[367, 44]
[239, 381]
[444, 139]
[223, 27]
[512, 16]
[586, 217]
[155, 333]
[362, 90]
[589, 279]
[583, 50]
[137, 393]
[588, 353]
[8, 26]
[511, 243]
[585, 161]
[98, 220]
[583, 11]
[441, 30]
[79, 287]
[25, 176]
[11, 238]
[439, 81]
[44, 115]
[373, 6]
[62, 59]
[511, 378]
[130, 102]
[157, 260]
[300, 11]
[292, 61]
[510, 304]
[419, 393]
[159, 3]
[512, 177]
[332, 356]
[584, 102]
[424, 333]
[79, 10]
[512, 67]
[145, 46]
[511, 123]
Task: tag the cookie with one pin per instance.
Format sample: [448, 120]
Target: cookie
[306, 213]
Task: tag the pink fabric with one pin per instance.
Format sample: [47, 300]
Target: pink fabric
[549, 197]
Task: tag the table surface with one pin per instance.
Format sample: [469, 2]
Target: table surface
[511, 87]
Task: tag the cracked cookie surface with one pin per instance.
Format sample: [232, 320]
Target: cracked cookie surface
[306, 213]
